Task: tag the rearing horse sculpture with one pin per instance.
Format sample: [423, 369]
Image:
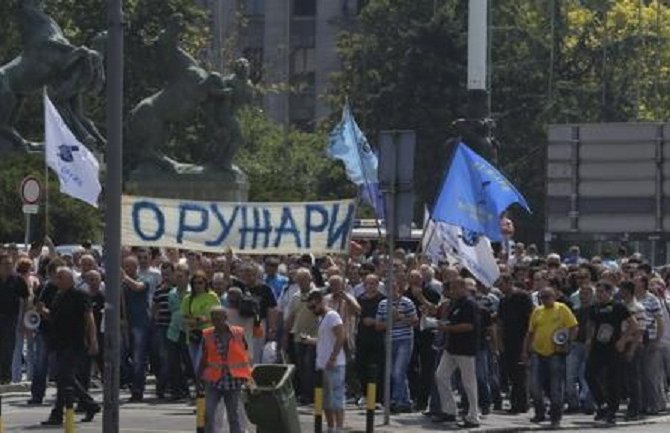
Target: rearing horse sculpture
[48, 60]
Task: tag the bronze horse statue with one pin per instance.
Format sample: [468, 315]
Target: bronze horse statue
[50, 61]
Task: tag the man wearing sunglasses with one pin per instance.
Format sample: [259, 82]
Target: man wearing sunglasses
[551, 328]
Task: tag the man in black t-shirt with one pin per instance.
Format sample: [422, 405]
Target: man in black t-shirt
[603, 367]
[514, 313]
[13, 288]
[250, 283]
[424, 357]
[462, 327]
[72, 333]
[369, 340]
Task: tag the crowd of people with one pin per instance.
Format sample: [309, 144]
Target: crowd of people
[556, 334]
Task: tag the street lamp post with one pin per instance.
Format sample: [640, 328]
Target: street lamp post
[113, 190]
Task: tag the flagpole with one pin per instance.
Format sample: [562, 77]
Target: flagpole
[46, 178]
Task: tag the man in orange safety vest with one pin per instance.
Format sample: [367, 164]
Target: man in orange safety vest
[224, 369]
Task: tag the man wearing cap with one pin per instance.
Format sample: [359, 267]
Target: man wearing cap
[551, 328]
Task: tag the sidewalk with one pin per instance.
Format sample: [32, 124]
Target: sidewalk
[496, 422]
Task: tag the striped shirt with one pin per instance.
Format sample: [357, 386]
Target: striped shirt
[405, 307]
[652, 308]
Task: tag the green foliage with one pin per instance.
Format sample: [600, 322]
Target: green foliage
[70, 221]
[287, 164]
[405, 67]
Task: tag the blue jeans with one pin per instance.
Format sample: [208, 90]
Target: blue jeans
[548, 373]
[139, 340]
[43, 364]
[483, 378]
[162, 366]
[401, 352]
[576, 375]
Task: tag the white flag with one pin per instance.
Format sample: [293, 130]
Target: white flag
[76, 167]
[447, 241]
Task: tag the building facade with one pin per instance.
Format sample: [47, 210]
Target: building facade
[292, 48]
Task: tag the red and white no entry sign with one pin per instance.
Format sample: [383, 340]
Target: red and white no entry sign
[30, 190]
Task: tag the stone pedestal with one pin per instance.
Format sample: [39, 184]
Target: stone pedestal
[205, 186]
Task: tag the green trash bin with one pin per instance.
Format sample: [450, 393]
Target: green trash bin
[271, 403]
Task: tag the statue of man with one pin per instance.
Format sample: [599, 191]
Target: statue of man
[220, 114]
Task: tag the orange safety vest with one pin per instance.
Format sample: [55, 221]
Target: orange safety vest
[237, 362]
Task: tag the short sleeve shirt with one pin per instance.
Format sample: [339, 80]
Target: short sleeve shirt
[12, 290]
[68, 320]
[544, 322]
[464, 310]
[326, 340]
[607, 320]
[404, 307]
[652, 309]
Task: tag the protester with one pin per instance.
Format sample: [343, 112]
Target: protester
[136, 295]
[405, 318]
[552, 327]
[73, 332]
[462, 328]
[13, 291]
[330, 359]
[195, 308]
[514, 313]
[369, 340]
[225, 368]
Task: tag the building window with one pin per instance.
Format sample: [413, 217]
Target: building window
[254, 7]
[302, 60]
[304, 8]
[302, 100]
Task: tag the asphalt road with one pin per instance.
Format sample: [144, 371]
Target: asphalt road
[154, 417]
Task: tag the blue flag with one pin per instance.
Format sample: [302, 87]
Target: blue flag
[374, 197]
[348, 144]
[475, 194]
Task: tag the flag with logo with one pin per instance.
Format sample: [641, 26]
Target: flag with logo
[460, 247]
[76, 167]
[475, 194]
[348, 144]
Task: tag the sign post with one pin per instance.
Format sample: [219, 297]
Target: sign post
[30, 191]
[396, 176]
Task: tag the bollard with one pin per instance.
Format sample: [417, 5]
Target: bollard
[69, 411]
[318, 402]
[199, 411]
[371, 399]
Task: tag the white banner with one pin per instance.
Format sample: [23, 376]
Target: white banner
[247, 228]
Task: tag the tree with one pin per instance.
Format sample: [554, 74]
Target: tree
[70, 221]
[286, 164]
[552, 61]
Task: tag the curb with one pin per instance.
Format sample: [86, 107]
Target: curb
[15, 388]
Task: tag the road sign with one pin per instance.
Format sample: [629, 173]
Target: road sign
[30, 190]
[31, 209]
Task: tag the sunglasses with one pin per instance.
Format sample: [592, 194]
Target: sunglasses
[546, 297]
[200, 283]
[311, 307]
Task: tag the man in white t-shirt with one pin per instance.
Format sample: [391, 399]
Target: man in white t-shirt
[330, 359]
